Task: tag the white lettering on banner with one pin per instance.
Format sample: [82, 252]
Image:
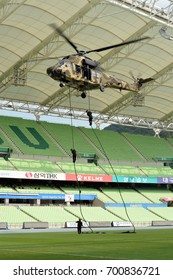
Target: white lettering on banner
[121, 224]
[90, 178]
[74, 224]
[126, 179]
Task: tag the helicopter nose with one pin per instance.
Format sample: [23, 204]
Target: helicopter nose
[59, 71]
[49, 71]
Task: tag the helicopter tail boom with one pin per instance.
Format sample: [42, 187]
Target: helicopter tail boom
[122, 85]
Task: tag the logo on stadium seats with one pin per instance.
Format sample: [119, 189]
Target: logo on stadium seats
[28, 174]
[79, 177]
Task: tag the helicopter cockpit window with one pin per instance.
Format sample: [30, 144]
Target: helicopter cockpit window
[61, 62]
[67, 64]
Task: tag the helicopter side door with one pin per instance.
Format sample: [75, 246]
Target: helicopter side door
[77, 70]
[82, 72]
[86, 73]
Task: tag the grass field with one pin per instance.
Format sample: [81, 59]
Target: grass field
[115, 245]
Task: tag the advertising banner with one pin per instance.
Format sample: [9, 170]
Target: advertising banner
[48, 196]
[88, 178]
[164, 180]
[83, 177]
[74, 224]
[135, 179]
[32, 175]
[121, 224]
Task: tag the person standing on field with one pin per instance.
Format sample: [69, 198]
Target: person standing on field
[79, 226]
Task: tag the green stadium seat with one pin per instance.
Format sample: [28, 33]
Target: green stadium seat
[82, 168]
[14, 215]
[68, 136]
[122, 170]
[7, 189]
[112, 145]
[5, 165]
[164, 212]
[34, 165]
[29, 137]
[160, 171]
[136, 214]
[154, 194]
[50, 214]
[91, 213]
[149, 147]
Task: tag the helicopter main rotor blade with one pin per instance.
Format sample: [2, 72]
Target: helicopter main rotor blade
[58, 30]
[117, 45]
[43, 59]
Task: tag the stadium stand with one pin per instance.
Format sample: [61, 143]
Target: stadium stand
[14, 215]
[6, 189]
[117, 149]
[122, 170]
[128, 195]
[91, 213]
[37, 189]
[29, 137]
[45, 147]
[34, 165]
[157, 171]
[154, 194]
[50, 214]
[164, 212]
[5, 140]
[42, 138]
[82, 168]
[5, 165]
[148, 146]
[90, 190]
[170, 140]
[68, 137]
[136, 214]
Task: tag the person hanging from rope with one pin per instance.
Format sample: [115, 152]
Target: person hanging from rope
[90, 117]
[73, 151]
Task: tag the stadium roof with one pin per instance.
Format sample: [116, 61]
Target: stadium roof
[26, 35]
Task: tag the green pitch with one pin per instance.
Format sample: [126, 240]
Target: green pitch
[116, 245]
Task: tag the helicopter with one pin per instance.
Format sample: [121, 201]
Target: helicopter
[83, 73]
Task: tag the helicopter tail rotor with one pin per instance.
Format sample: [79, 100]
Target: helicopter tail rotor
[135, 78]
[143, 81]
[140, 81]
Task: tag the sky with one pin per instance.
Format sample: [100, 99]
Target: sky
[159, 3]
[163, 3]
[82, 123]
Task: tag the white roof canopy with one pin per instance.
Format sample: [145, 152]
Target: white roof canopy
[25, 34]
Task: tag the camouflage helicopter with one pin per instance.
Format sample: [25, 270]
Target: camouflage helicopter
[82, 73]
